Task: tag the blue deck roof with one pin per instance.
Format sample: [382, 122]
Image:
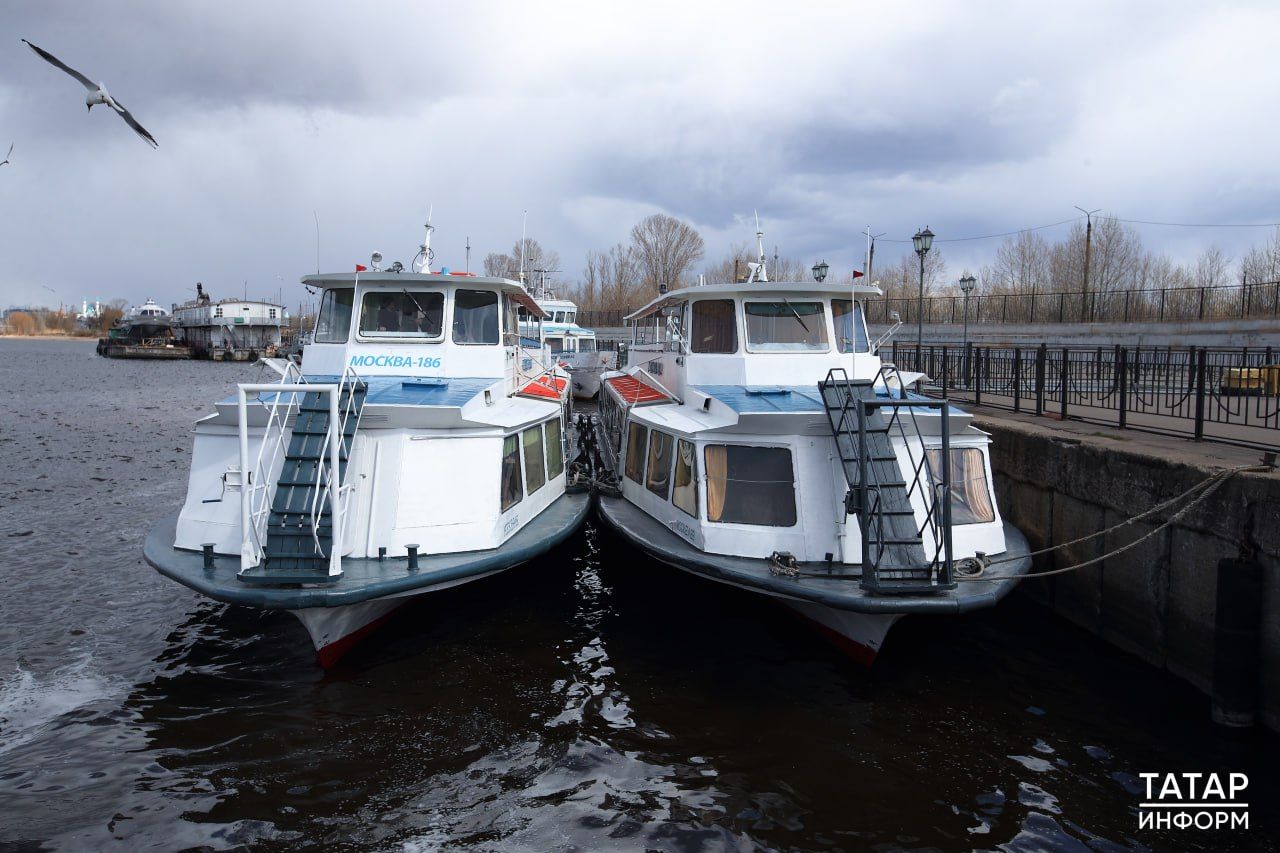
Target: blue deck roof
[452, 391]
[752, 399]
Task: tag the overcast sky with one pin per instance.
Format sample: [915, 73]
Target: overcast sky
[969, 118]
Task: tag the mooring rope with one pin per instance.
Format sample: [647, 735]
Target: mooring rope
[1205, 487]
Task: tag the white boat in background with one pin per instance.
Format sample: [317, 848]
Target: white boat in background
[573, 347]
[758, 440]
[229, 329]
[416, 447]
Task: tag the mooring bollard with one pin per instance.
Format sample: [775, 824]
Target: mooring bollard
[1237, 626]
[413, 557]
[207, 550]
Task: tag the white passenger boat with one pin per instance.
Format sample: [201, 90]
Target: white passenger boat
[759, 441]
[417, 447]
[574, 347]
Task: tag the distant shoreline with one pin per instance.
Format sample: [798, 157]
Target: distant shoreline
[50, 338]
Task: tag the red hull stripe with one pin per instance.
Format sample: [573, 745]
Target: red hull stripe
[865, 655]
[328, 656]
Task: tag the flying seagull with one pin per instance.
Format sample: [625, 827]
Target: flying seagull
[97, 93]
[6, 157]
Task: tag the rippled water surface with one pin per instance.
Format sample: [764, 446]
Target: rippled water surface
[593, 699]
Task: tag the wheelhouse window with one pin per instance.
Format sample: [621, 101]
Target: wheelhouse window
[570, 316]
[535, 466]
[750, 485]
[555, 450]
[684, 493]
[475, 317]
[659, 479]
[786, 326]
[637, 436]
[970, 496]
[512, 488]
[334, 323]
[417, 314]
[715, 329]
[851, 331]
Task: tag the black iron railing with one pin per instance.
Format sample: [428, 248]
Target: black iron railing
[1222, 395]
[1255, 300]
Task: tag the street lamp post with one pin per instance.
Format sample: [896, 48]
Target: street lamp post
[967, 283]
[923, 241]
[820, 271]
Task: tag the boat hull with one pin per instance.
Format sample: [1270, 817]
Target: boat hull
[338, 615]
[834, 600]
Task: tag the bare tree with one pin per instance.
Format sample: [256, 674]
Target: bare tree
[734, 263]
[508, 265]
[1262, 263]
[666, 249]
[1021, 265]
[1211, 268]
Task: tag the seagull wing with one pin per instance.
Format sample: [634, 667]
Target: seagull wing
[58, 63]
[7, 156]
[133, 122]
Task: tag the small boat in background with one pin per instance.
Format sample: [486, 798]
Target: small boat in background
[574, 347]
[145, 331]
[418, 446]
[759, 441]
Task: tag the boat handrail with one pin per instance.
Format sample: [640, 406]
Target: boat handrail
[327, 474]
[256, 481]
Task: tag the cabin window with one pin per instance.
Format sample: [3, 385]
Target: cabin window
[510, 321]
[659, 480]
[475, 317]
[334, 323]
[570, 316]
[556, 344]
[555, 450]
[402, 314]
[970, 497]
[684, 494]
[217, 312]
[637, 436]
[512, 489]
[750, 485]
[715, 329]
[272, 312]
[851, 331]
[535, 466]
[647, 330]
[587, 345]
[786, 326]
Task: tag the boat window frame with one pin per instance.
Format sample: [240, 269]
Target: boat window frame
[693, 476]
[315, 332]
[558, 444]
[778, 300]
[397, 336]
[706, 473]
[541, 458]
[642, 454]
[656, 438]
[453, 318]
[737, 343]
[859, 326]
[962, 503]
[505, 507]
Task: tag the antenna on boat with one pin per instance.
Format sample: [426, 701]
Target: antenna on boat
[758, 270]
[468, 268]
[422, 262]
[524, 231]
[316, 217]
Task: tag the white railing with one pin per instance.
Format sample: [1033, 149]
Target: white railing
[324, 475]
[253, 537]
[275, 442]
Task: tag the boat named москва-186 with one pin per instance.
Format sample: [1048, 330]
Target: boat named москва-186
[759, 441]
[444, 441]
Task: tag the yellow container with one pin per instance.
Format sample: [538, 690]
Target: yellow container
[1271, 379]
[1245, 380]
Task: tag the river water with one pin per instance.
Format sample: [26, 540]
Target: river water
[591, 700]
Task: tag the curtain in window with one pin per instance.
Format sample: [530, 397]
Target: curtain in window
[636, 438]
[685, 493]
[717, 465]
[659, 481]
[970, 496]
[714, 327]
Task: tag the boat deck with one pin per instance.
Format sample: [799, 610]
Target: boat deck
[365, 579]
[838, 588]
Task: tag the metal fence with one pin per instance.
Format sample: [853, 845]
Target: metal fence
[1230, 396]
[1255, 300]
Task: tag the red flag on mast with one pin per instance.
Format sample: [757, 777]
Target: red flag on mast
[361, 268]
[858, 273]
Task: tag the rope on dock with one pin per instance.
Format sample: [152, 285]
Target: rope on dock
[1205, 487]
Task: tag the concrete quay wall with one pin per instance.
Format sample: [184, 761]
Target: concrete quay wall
[1061, 481]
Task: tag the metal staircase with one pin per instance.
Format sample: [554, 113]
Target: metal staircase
[299, 527]
[895, 558]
